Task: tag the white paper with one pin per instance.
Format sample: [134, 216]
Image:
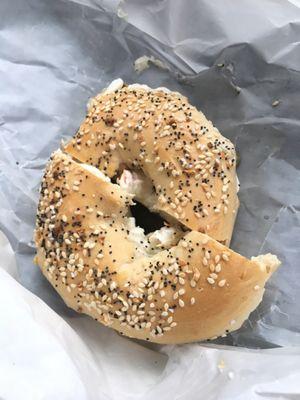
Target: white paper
[45, 357]
[55, 55]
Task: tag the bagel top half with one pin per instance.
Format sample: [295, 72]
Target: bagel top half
[190, 167]
[177, 291]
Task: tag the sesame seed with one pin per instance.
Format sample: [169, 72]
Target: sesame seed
[225, 257]
[210, 280]
[222, 283]
[225, 188]
[181, 303]
[196, 275]
[256, 287]
[159, 330]
[193, 300]
[181, 281]
[218, 268]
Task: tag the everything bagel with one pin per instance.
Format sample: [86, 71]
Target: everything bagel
[177, 284]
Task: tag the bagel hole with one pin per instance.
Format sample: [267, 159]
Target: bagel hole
[146, 219]
[156, 229]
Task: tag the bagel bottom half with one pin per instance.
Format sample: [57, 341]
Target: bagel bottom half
[192, 288]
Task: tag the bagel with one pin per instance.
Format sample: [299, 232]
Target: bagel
[165, 287]
[187, 166]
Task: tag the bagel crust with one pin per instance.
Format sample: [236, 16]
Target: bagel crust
[190, 165]
[196, 289]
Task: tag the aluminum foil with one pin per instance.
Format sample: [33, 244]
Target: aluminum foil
[236, 61]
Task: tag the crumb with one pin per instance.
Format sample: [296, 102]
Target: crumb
[144, 62]
[221, 365]
[231, 375]
[237, 89]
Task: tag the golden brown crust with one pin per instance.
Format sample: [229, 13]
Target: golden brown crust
[195, 290]
[191, 165]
